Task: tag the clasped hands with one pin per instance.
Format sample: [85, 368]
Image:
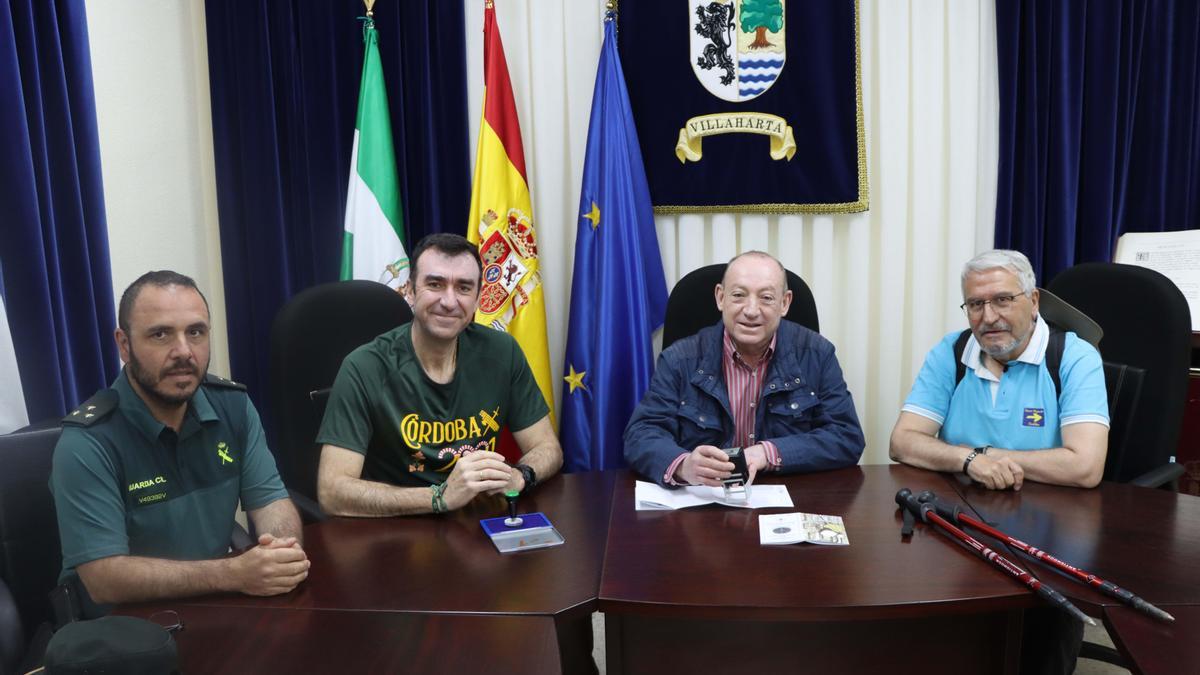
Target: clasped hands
[480, 472]
[996, 472]
[275, 566]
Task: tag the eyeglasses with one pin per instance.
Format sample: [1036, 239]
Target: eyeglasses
[169, 619]
[1000, 303]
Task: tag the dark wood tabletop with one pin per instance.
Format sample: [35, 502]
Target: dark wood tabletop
[411, 583]
[1154, 647]
[447, 564]
[1147, 541]
[706, 561]
[274, 640]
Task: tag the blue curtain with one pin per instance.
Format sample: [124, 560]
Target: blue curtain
[57, 278]
[284, 77]
[1099, 125]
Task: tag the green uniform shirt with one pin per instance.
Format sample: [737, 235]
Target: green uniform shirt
[126, 484]
[411, 429]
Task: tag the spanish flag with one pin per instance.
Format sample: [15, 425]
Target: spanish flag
[501, 219]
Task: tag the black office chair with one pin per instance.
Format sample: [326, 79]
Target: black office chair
[691, 305]
[1124, 385]
[310, 336]
[1146, 326]
[30, 555]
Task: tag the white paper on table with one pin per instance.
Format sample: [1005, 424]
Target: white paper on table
[651, 497]
[797, 528]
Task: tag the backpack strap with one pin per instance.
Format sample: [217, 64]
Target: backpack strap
[960, 345]
[1054, 354]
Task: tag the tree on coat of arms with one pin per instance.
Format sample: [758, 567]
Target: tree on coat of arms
[760, 16]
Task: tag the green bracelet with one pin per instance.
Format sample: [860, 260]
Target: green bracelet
[438, 504]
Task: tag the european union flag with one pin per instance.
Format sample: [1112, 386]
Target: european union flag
[618, 294]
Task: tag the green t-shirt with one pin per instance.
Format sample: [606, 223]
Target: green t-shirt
[411, 429]
[126, 484]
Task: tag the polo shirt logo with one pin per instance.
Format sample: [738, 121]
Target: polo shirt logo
[1034, 417]
[223, 453]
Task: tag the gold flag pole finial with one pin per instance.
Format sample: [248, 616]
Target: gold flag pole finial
[370, 4]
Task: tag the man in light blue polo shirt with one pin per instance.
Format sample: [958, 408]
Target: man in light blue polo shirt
[1006, 420]
[1003, 422]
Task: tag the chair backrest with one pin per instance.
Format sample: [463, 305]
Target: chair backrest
[1146, 325]
[1124, 385]
[12, 633]
[1063, 314]
[30, 553]
[691, 306]
[310, 336]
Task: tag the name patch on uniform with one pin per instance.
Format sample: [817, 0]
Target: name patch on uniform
[143, 484]
[1034, 417]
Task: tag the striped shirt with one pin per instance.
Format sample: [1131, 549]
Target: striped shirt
[743, 383]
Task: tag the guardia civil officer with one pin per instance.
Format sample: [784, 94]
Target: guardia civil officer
[148, 474]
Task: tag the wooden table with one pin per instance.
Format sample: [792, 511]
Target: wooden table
[694, 588]
[1147, 541]
[1154, 647]
[238, 639]
[387, 575]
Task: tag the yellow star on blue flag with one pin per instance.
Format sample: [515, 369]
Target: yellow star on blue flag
[618, 291]
[575, 380]
[593, 215]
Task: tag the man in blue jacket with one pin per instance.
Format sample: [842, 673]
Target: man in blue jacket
[754, 381]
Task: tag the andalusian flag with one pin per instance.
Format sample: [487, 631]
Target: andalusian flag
[501, 218]
[373, 246]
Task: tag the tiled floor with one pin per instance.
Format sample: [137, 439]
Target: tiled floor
[1087, 667]
[1084, 667]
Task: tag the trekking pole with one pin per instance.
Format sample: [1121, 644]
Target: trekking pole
[955, 514]
[928, 514]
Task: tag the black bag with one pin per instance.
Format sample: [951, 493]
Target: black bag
[113, 644]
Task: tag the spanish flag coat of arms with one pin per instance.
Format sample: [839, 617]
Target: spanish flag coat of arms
[501, 218]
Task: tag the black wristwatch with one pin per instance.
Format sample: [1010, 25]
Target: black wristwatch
[974, 453]
[530, 476]
[967, 462]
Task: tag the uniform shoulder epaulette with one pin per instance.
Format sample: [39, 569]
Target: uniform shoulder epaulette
[94, 409]
[218, 381]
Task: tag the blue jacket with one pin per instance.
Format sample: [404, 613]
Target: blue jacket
[806, 410]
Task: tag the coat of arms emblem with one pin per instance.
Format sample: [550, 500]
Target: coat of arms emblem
[737, 46]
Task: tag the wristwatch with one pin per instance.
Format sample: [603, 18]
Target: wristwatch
[974, 453]
[967, 462]
[530, 476]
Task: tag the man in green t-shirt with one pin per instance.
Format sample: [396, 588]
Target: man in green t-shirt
[147, 475]
[414, 415]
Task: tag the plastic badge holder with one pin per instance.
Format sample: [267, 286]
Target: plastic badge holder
[535, 531]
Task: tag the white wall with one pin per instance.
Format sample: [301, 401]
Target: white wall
[150, 68]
